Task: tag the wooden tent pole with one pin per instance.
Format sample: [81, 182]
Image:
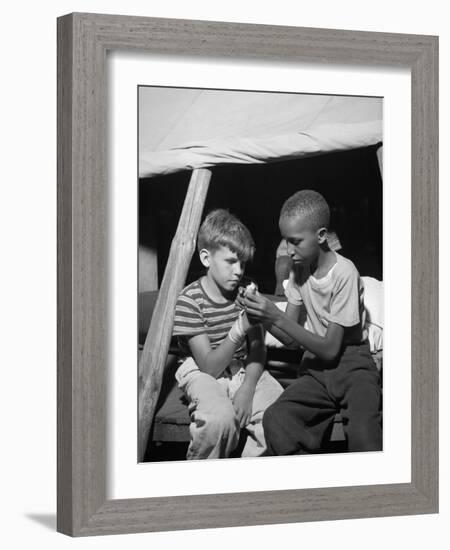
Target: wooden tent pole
[154, 354]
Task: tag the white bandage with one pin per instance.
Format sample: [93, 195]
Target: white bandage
[237, 332]
[250, 289]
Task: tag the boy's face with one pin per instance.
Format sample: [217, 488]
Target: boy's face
[303, 242]
[224, 267]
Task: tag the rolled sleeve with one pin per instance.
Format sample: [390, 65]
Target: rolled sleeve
[292, 291]
[345, 303]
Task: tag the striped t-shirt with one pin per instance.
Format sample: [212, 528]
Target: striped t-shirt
[196, 313]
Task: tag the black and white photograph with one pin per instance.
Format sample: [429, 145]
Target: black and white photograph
[260, 274]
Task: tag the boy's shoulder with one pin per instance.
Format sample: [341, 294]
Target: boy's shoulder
[191, 289]
[192, 293]
[344, 266]
[344, 273]
[342, 270]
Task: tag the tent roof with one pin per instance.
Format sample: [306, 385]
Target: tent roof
[188, 128]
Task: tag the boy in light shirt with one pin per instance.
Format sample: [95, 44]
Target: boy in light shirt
[337, 370]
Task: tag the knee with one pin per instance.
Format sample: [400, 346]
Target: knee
[271, 420]
[223, 424]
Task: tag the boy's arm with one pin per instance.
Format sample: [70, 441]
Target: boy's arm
[215, 361]
[256, 358]
[325, 347]
[212, 361]
[293, 313]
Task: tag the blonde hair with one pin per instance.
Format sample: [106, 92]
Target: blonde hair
[221, 228]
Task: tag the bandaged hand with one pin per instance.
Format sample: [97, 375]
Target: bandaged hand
[244, 291]
[239, 329]
[249, 290]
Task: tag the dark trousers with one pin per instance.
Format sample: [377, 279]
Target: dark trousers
[301, 418]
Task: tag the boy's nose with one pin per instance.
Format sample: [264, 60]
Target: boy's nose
[290, 250]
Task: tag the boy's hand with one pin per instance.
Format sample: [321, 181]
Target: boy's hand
[240, 328]
[249, 290]
[244, 291]
[249, 322]
[242, 403]
[261, 310]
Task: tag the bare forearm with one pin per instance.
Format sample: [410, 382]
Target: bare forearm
[254, 368]
[325, 348]
[253, 372]
[256, 357]
[218, 359]
[284, 338]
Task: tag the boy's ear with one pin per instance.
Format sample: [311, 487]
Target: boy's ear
[322, 235]
[204, 257]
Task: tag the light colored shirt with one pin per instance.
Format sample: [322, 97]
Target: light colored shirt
[338, 297]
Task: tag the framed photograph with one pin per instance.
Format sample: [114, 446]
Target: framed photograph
[162, 121]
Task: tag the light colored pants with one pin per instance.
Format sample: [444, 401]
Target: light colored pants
[214, 427]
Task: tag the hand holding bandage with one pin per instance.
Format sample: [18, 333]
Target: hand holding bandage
[250, 288]
[241, 326]
[260, 310]
[245, 290]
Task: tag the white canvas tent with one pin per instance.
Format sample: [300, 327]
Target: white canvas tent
[189, 129]
[185, 129]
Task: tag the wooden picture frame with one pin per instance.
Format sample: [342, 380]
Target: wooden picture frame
[83, 41]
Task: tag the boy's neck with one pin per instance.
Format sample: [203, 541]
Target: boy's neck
[214, 291]
[324, 262]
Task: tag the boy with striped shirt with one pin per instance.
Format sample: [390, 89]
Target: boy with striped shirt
[222, 373]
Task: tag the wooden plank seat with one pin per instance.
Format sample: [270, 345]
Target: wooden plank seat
[172, 419]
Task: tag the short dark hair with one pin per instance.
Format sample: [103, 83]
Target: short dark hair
[221, 228]
[309, 204]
